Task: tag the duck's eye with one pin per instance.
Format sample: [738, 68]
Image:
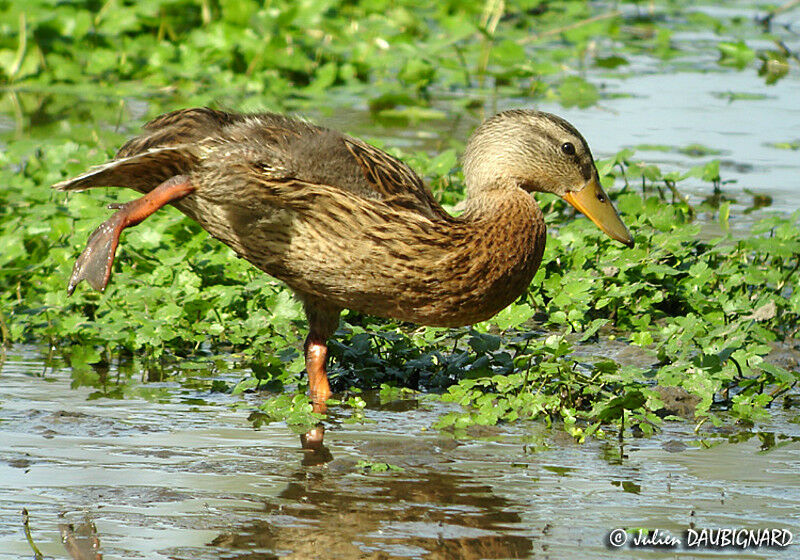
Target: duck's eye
[568, 148]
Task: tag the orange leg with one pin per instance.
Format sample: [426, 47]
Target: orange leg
[323, 320]
[318, 387]
[316, 357]
[95, 263]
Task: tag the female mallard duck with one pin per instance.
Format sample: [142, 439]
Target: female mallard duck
[346, 225]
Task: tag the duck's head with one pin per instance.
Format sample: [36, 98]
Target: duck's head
[538, 151]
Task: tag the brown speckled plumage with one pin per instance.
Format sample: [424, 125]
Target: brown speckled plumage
[346, 225]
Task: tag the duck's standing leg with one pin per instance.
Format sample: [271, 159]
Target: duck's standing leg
[95, 263]
[316, 350]
[323, 320]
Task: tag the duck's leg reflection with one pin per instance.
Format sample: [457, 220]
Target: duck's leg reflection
[311, 441]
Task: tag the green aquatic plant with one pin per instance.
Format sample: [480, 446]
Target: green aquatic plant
[702, 302]
[708, 310]
[370, 466]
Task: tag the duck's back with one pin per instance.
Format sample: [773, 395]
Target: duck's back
[273, 147]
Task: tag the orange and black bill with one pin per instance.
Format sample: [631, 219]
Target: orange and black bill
[592, 201]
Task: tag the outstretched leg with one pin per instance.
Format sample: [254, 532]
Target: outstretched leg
[94, 264]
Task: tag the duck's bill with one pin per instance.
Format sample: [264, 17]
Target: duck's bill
[592, 201]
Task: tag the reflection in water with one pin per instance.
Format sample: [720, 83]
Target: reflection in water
[165, 479]
[81, 541]
[425, 514]
[314, 453]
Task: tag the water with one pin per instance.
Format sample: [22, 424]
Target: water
[185, 478]
[660, 112]
[671, 104]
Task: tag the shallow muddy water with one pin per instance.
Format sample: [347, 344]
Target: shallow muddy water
[183, 474]
[186, 476]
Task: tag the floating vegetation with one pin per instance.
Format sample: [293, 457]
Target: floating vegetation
[702, 307]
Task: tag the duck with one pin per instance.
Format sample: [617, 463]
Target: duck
[344, 224]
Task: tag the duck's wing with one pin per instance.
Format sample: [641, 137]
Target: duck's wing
[169, 147]
[287, 150]
[197, 125]
[141, 172]
[273, 147]
[394, 181]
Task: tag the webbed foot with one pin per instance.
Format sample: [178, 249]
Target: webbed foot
[95, 263]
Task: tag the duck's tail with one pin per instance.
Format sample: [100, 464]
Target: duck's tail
[142, 172]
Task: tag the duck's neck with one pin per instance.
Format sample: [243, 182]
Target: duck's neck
[495, 249]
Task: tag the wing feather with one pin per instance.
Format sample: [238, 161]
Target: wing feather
[395, 182]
